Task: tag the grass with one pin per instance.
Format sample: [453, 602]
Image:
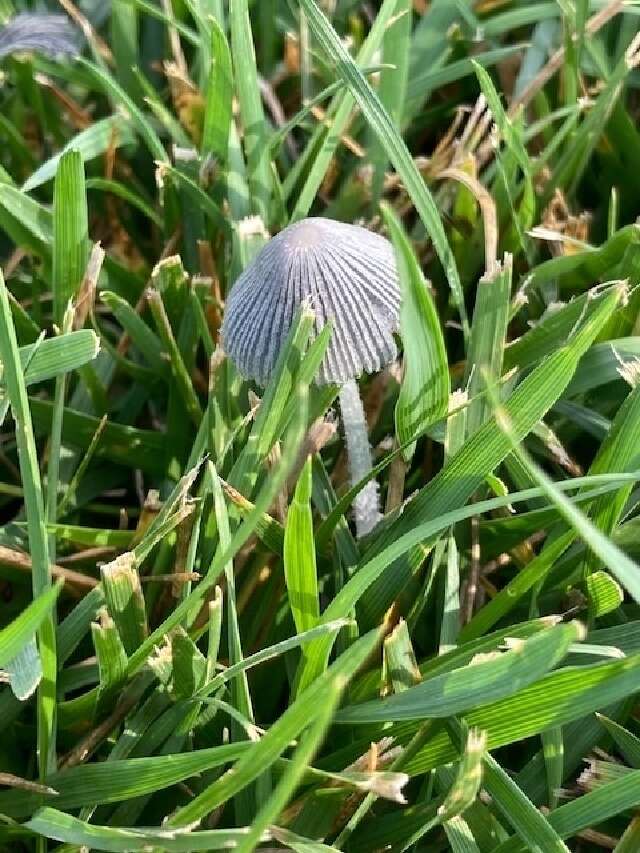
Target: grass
[197, 651]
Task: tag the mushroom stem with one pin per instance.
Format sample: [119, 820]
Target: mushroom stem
[367, 503]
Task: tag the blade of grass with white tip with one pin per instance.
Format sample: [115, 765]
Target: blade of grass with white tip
[111, 657]
[299, 556]
[125, 601]
[301, 713]
[218, 97]
[399, 667]
[214, 633]
[251, 109]
[36, 521]
[393, 144]
[424, 394]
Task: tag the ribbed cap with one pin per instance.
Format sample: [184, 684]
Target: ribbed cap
[345, 273]
[52, 35]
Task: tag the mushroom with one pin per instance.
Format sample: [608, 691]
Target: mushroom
[348, 276]
[53, 35]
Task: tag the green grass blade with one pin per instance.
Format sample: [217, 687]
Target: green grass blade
[424, 394]
[486, 344]
[322, 146]
[55, 356]
[607, 552]
[470, 686]
[299, 556]
[300, 760]
[251, 110]
[219, 95]
[90, 143]
[36, 520]
[535, 831]
[121, 98]
[393, 82]
[59, 826]
[295, 719]
[392, 142]
[18, 632]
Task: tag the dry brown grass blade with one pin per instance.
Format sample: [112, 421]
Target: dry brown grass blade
[489, 214]
[75, 583]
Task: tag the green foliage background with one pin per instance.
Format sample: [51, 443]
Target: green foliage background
[197, 652]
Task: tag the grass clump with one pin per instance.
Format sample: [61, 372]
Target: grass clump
[198, 650]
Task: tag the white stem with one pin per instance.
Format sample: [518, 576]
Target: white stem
[367, 503]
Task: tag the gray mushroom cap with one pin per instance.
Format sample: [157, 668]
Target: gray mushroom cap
[51, 34]
[345, 273]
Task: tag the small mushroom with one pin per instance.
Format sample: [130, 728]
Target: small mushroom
[348, 277]
[53, 35]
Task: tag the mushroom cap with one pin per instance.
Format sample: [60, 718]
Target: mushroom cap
[50, 34]
[346, 274]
